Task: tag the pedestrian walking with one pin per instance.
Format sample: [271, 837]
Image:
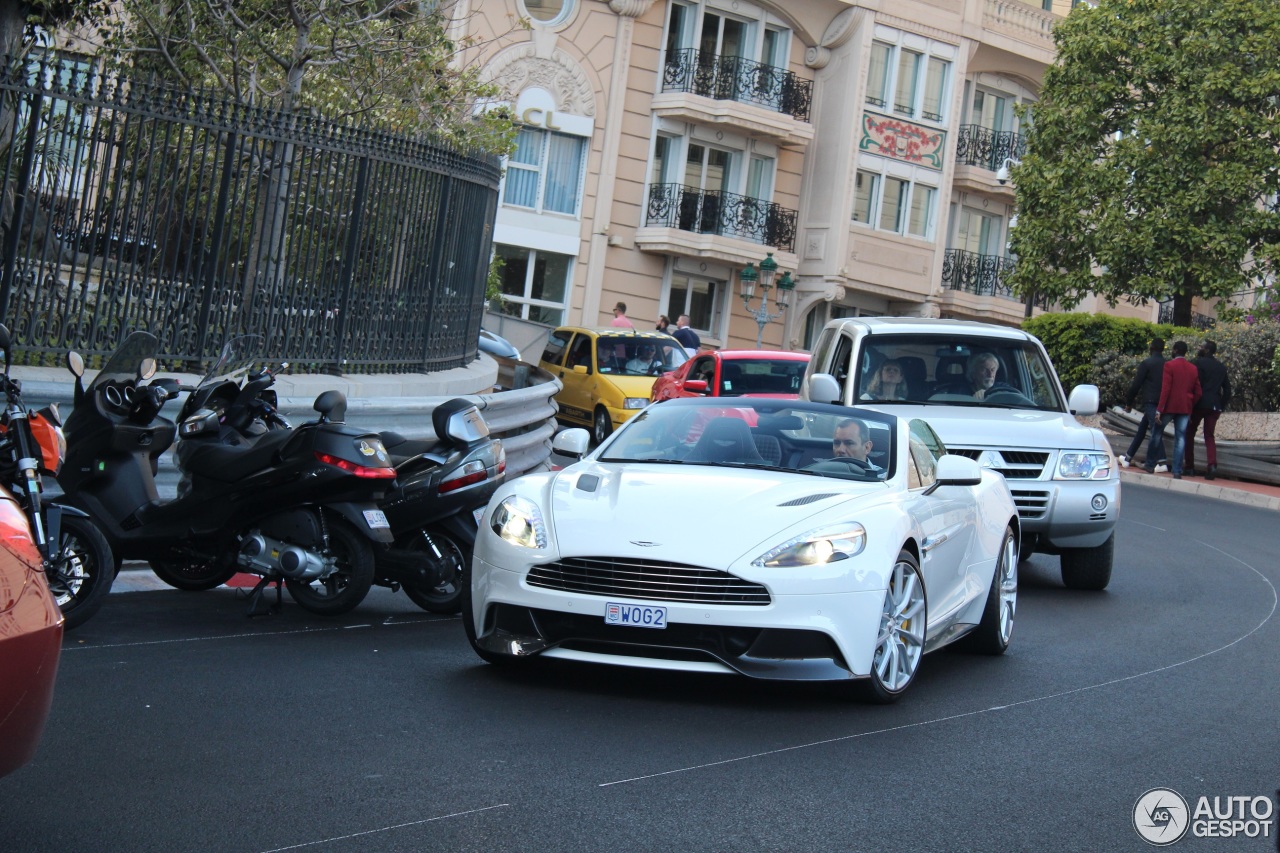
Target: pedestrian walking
[687, 337]
[1215, 393]
[1179, 393]
[620, 317]
[1146, 387]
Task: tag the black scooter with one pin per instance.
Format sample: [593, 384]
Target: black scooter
[297, 506]
[441, 485]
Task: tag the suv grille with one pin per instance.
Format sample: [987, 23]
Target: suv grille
[651, 579]
[1011, 464]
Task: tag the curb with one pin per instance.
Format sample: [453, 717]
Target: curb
[1203, 489]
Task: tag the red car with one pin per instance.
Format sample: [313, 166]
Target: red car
[734, 373]
[30, 640]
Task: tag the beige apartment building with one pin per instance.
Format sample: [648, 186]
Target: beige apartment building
[668, 144]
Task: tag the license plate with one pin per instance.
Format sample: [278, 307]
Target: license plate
[635, 615]
[376, 519]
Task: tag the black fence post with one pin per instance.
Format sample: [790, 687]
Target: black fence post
[210, 258]
[348, 267]
[19, 205]
[444, 218]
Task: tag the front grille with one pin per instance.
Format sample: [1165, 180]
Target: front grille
[1031, 503]
[1012, 464]
[655, 580]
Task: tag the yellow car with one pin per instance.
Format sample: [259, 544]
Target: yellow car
[607, 372]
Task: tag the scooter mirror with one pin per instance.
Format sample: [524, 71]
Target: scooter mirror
[75, 363]
[147, 369]
[5, 340]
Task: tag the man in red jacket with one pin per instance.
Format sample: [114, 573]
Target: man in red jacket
[1179, 392]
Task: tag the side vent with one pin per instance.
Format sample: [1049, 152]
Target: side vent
[588, 482]
[809, 499]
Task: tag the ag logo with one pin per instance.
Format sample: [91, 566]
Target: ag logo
[1161, 817]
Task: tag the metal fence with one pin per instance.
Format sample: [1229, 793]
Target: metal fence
[734, 78]
[724, 213]
[130, 205]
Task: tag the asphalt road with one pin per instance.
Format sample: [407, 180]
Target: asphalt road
[180, 725]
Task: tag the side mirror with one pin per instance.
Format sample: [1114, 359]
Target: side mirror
[956, 470]
[75, 363]
[147, 369]
[6, 341]
[1084, 400]
[581, 369]
[697, 386]
[823, 388]
[572, 443]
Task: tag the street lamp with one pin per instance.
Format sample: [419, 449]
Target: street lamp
[749, 277]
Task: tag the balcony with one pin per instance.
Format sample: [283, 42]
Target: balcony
[748, 96]
[981, 275]
[988, 149]
[722, 213]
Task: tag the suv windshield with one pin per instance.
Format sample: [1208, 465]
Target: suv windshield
[972, 371]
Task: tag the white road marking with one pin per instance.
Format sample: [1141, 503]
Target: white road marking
[386, 828]
[1275, 600]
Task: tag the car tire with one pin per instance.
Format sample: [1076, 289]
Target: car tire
[900, 639]
[991, 637]
[1089, 568]
[601, 426]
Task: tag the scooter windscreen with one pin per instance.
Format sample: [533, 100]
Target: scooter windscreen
[233, 363]
[125, 364]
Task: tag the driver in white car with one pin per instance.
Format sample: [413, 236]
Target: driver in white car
[852, 441]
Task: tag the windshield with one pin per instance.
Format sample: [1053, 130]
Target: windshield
[238, 355]
[635, 355]
[957, 370]
[126, 361]
[799, 437]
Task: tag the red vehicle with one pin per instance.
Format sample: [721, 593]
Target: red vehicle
[734, 373]
[30, 639]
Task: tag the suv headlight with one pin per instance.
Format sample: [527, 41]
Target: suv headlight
[519, 521]
[824, 545]
[635, 402]
[1083, 466]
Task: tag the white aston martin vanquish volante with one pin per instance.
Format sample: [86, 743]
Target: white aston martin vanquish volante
[772, 538]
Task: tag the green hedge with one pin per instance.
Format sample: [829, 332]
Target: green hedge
[1104, 351]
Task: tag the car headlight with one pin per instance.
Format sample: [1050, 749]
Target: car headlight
[1083, 466]
[824, 545]
[519, 521]
[635, 402]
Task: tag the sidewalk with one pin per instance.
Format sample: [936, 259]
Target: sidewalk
[1236, 491]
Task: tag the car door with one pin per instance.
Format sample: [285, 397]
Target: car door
[578, 376]
[951, 514]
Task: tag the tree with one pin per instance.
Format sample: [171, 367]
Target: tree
[1152, 168]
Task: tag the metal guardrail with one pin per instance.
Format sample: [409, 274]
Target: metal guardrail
[520, 411]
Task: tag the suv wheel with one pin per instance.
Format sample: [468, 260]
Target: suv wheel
[1089, 568]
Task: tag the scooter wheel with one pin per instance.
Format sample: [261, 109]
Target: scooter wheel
[82, 570]
[446, 595]
[347, 586]
[191, 575]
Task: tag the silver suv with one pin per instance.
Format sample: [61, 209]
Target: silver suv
[992, 395]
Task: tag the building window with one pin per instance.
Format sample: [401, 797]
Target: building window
[545, 172]
[918, 81]
[548, 12]
[894, 204]
[702, 299]
[534, 283]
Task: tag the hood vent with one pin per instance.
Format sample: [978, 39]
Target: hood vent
[809, 499]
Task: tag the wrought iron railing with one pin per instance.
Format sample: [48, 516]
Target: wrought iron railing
[723, 213]
[130, 205]
[1203, 322]
[732, 78]
[981, 146]
[978, 274]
